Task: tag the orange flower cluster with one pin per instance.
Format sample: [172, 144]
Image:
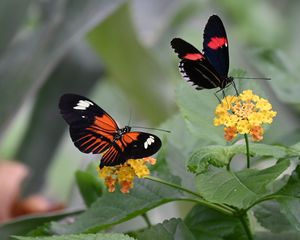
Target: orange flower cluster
[124, 174]
[244, 114]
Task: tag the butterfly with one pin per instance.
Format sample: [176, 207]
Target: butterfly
[207, 69]
[94, 131]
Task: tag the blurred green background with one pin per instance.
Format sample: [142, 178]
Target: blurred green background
[118, 53]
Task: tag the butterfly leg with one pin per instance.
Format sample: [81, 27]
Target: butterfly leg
[223, 94]
[217, 97]
[235, 88]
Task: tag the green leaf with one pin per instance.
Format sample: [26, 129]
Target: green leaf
[292, 188]
[220, 156]
[117, 207]
[197, 109]
[129, 62]
[269, 215]
[98, 236]
[289, 199]
[209, 224]
[168, 230]
[90, 186]
[239, 189]
[26, 224]
[264, 150]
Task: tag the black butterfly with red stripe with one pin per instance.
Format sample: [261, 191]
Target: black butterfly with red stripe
[207, 69]
[94, 131]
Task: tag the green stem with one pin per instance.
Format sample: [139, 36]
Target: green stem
[228, 166]
[243, 219]
[219, 207]
[147, 220]
[270, 197]
[155, 179]
[267, 198]
[248, 151]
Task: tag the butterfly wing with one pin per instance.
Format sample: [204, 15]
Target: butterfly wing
[215, 45]
[131, 145]
[186, 50]
[194, 67]
[92, 129]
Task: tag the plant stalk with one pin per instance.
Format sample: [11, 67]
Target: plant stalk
[147, 220]
[246, 226]
[247, 149]
[155, 179]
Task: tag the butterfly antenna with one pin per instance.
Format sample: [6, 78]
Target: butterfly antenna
[157, 129]
[261, 78]
[130, 116]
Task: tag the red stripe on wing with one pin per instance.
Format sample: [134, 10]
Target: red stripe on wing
[193, 56]
[111, 156]
[217, 42]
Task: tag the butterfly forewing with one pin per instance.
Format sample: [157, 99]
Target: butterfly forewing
[91, 128]
[215, 45]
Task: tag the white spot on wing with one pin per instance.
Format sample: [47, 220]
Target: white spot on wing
[182, 71]
[83, 105]
[148, 142]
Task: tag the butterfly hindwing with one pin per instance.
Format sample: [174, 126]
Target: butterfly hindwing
[91, 128]
[131, 145]
[199, 74]
[215, 45]
[186, 50]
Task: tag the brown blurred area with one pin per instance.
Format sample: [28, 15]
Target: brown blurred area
[12, 174]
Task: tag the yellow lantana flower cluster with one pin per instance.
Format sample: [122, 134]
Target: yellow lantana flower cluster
[244, 114]
[124, 174]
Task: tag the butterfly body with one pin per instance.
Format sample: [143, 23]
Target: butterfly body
[94, 131]
[121, 131]
[207, 69]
